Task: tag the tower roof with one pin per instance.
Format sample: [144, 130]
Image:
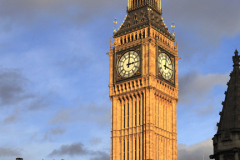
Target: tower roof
[141, 13]
[230, 115]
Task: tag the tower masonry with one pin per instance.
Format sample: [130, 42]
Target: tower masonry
[143, 86]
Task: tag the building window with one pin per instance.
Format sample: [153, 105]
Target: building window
[135, 149]
[124, 115]
[128, 115]
[139, 150]
[135, 113]
[139, 113]
[142, 105]
[128, 150]
[124, 150]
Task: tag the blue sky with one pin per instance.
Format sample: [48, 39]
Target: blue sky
[54, 74]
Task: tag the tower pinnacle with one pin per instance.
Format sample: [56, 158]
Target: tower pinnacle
[236, 59]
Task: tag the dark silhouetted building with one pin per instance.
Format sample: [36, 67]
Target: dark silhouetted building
[226, 141]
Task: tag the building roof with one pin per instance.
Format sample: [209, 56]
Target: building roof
[230, 115]
[141, 16]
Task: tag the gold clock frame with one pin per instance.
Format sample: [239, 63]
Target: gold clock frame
[118, 55]
[171, 81]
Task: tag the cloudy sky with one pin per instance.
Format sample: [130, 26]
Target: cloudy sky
[54, 74]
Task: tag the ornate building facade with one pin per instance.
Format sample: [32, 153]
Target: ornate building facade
[143, 86]
[226, 141]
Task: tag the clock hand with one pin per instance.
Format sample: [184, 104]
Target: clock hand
[132, 63]
[167, 67]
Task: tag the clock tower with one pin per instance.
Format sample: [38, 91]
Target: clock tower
[143, 86]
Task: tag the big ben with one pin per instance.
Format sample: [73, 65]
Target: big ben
[143, 86]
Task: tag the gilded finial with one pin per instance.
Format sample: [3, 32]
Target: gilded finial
[160, 3]
[115, 26]
[173, 26]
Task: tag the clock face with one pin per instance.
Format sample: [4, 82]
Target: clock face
[165, 66]
[128, 64]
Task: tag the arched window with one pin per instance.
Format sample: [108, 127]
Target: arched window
[125, 40]
[135, 149]
[140, 35]
[143, 34]
[136, 36]
[124, 149]
[128, 38]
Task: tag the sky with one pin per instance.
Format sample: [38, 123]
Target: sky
[54, 75]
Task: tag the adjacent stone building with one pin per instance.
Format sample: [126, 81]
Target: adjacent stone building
[226, 141]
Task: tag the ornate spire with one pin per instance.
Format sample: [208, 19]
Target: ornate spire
[224, 140]
[141, 14]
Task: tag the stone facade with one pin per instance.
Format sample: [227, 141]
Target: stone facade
[226, 141]
[144, 106]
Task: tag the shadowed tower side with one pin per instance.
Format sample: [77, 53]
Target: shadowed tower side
[143, 86]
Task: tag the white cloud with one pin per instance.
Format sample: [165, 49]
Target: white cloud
[100, 114]
[95, 141]
[209, 19]
[9, 152]
[12, 87]
[78, 149]
[49, 135]
[31, 12]
[195, 86]
[195, 151]
[13, 117]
